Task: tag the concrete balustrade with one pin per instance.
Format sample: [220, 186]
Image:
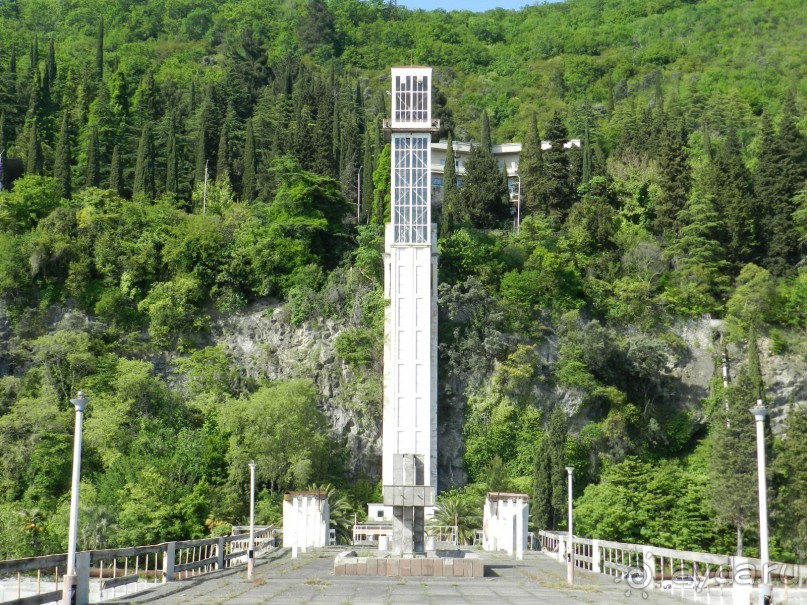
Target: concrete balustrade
[651, 566]
[129, 569]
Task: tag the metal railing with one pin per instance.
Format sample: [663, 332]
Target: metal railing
[106, 574]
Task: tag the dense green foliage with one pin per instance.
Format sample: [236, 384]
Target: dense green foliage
[185, 160]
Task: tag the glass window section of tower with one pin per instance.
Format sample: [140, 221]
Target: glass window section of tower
[412, 99]
[410, 195]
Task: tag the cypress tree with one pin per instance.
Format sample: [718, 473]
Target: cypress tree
[699, 282]
[674, 182]
[775, 186]
[484, 198]
[381, 187]
[791, 465]
[549, 482]
[730, 185]
[93, 173]
[33, 157]
[222, 163]
[556, 194]
[248, 180]
[487, 143]
[99, 52]
[450, 216]
[733, 469]
[171, 168]
[530, 168]
[3, 143]
[144, 168]
[63, 159]
[793, 145]
[367, 173]
[116, 172]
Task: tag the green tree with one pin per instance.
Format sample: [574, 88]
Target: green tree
[450, 217]
[63, 160]
[33, 155]
[775, 182]
[248, 180]
[733, 436]
[92, 176]
[730, 185]
[116, 172]
[549, 486]
[555, 191]
[484, 198]
[281, 428]
[790, 467]
[531, 168]
[381, 188]
[699, 281]
[99, 52]
[674, 181]
[144, 168]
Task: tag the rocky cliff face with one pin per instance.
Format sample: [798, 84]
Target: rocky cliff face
[264, 344]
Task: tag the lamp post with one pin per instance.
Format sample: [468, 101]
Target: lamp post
[251, 547]
[760, 412]
[69, 584]
[570, 548]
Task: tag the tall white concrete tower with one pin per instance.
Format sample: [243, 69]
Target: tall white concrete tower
[409, 465]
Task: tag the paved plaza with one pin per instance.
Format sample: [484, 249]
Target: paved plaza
[309, 579]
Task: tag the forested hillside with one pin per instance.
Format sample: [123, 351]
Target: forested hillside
[189, 162]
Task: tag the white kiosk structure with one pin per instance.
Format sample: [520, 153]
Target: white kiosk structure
[306, 520]
[505, 523]
[409, 463]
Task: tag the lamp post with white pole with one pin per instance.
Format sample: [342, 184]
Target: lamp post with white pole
[69, 585]
[251, 547]
[760, 412]
[570, 547]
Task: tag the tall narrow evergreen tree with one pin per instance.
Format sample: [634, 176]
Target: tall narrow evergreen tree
[3, 144]
[92, 175]
[450, 216]
[33, 156]
[484, 199]
[248, 180]
[549, 487]
[730, 185]
[223, 155]
[733, 469]
[171, 163]
[530, 168]
[556, 192]
[776, 181]
[144, 168]
[367, 174]
[487, 142]
[116, 172]
[63, 159]
[674, 182]
[99, 52]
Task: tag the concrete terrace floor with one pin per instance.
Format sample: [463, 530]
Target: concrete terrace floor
[309, 579]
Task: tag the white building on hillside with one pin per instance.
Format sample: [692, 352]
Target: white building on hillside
[506, 154]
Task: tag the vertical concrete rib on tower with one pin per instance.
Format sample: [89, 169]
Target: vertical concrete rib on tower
[409, 465]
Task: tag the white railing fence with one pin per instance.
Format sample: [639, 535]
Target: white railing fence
[654, 567]
[108, 574]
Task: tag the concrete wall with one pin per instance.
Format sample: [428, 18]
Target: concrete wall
[306, 520]
[505, 522]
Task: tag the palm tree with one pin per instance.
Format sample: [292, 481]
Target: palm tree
[459, 510]
[341, 512]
